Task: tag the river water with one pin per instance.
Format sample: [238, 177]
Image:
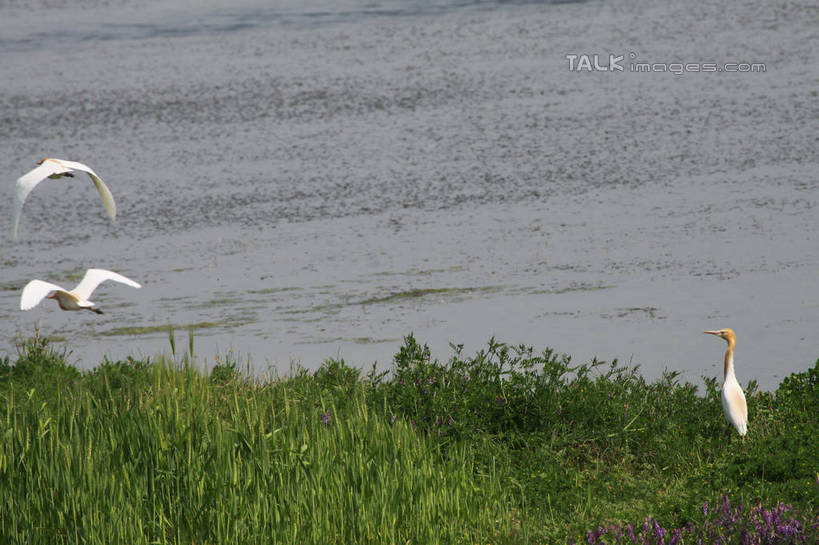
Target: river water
[304, 180]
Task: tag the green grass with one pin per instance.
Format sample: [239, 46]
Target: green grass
[505, 446]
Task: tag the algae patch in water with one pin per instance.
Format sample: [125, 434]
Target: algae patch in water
[454, 294]
[148, 329]
[356, 340]
[571, 288]
[268, 291]
[424, 292]
[651, 312]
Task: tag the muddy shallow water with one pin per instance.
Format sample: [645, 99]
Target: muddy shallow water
[303, 181]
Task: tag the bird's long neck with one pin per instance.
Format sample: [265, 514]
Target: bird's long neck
[729, 360]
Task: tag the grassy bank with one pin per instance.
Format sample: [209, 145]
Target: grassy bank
[505, 446]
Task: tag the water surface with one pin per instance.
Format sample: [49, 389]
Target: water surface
[303, 181]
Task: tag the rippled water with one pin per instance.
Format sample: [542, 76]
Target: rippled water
[303, 181]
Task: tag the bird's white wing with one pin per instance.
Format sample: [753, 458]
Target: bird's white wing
[736, 408]
[94, 277]
[27, 182]
[102, 189]
[35, 291]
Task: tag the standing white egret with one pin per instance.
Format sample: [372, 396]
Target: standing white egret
[733, 400]
[76, 299]
[57, 168]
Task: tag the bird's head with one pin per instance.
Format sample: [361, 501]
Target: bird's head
[727, 334]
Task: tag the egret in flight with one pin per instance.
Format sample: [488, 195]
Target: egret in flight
[57, 168]
[733, 400]
[76, 299]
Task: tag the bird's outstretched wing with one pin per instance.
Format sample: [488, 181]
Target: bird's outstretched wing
[102, 189]
[35, 291]
[27, 182]
[95, 277]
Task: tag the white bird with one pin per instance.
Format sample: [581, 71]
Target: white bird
[57, 168]
[76, 299]
[733, 400]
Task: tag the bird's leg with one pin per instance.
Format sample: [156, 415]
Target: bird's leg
[98, 311]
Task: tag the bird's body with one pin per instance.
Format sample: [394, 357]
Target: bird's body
[76, 299]
[55, 169]
[733, 399]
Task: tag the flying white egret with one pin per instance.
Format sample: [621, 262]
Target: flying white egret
[57, 168]
[76, 299]
[733, 400]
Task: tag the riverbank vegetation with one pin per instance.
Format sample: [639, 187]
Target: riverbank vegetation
[504, 446]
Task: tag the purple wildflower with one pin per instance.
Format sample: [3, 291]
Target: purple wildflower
[660, 532]
[727, 524]
[784, 530]
[326, 418]
[631, 533]
[675, 537]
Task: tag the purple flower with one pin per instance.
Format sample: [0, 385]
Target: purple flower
[766, 516]
[740, 525]
[675, 537]
[705, 509]
[631, 533]
[326, 418]
[658, 530]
